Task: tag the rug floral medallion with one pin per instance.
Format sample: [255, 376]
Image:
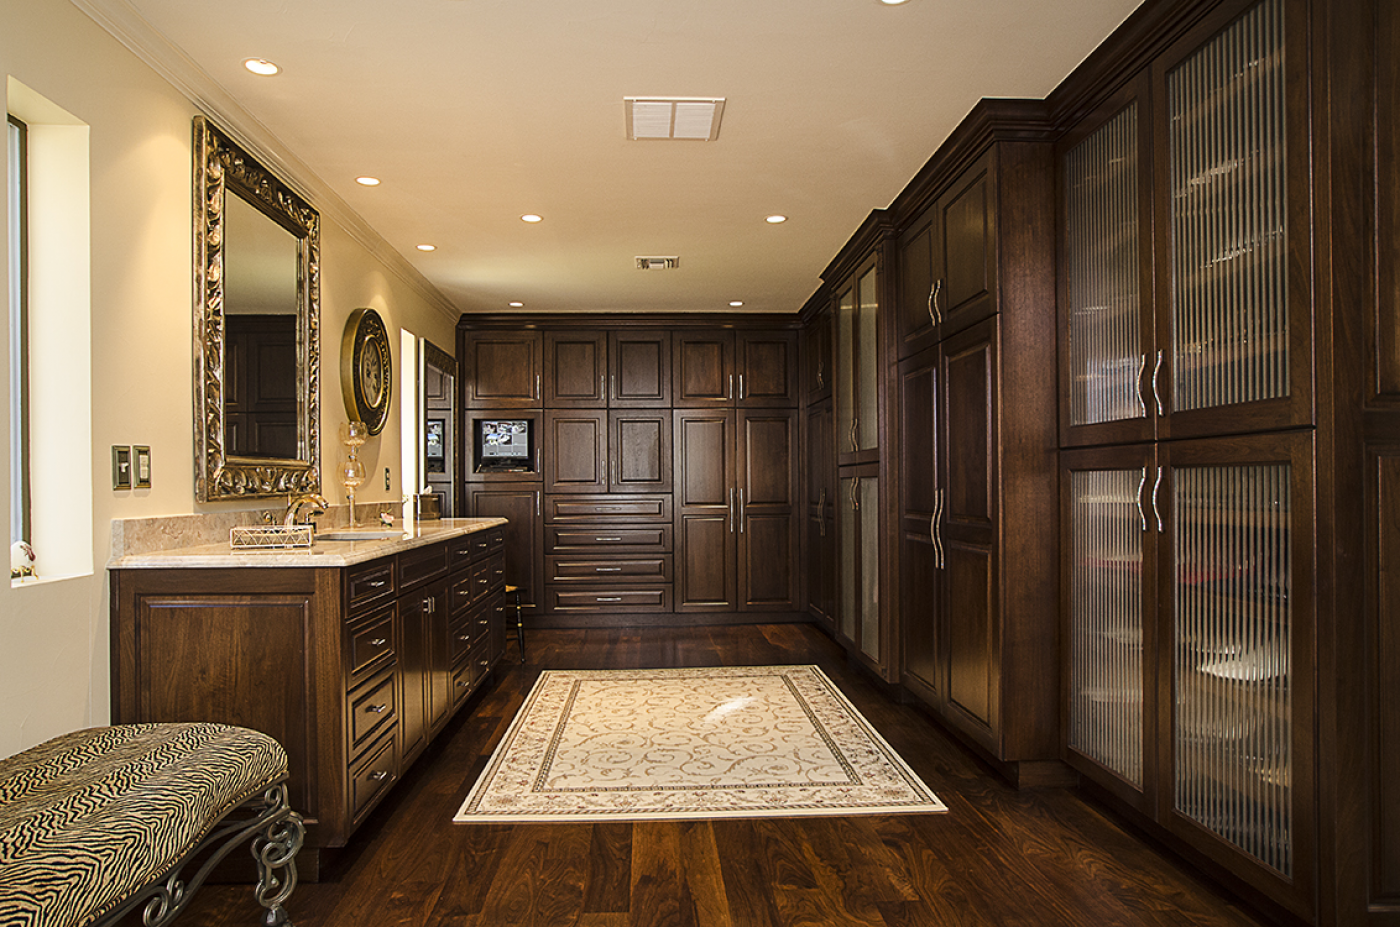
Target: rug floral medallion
[713, 742]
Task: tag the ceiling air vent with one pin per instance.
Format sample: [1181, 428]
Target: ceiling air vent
[686, 118]
[658, 263]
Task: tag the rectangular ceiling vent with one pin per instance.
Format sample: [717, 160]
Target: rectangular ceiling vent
[658, 263]
[683, 118]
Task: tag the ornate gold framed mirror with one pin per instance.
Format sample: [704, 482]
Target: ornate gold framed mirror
[257, 327]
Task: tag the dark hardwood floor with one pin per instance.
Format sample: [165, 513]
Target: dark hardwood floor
[999, 857]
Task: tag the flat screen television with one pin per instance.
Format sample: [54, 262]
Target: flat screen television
[504, 444]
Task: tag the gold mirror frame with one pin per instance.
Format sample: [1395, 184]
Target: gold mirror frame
[222, 168]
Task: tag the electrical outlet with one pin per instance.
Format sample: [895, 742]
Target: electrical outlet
[386, 477]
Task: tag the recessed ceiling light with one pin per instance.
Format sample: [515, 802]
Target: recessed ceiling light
[261, 66]
[893, 2]
[775, 219]
[427, 247]
[531, 217]
[517, 305]
[736, 303]
[367, 181]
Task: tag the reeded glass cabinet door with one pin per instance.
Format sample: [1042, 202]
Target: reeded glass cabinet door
[848, 531]
[868, 517]
[867, 433]
[1237, 317]
[1239, 606]
[1106, 285]
[1109, 528]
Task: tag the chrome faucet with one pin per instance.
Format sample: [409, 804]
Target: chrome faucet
[315, 500]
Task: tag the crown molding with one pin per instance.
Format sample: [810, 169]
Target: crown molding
[132, 30]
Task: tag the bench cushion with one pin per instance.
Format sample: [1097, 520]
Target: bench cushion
[89, 817]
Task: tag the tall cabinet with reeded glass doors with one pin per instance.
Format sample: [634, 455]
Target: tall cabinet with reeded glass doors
[855, 278]
[1187, 477]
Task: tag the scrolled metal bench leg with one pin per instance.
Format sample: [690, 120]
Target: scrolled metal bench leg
[275, 851]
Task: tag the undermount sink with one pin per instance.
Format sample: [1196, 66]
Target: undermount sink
[359, 534]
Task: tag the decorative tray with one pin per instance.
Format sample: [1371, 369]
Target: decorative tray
[257, 537]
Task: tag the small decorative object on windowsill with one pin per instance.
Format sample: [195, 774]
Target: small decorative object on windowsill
[21, 560]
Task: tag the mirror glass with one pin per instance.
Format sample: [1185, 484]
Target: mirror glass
[257, 367]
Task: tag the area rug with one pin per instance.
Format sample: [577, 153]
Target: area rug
[668, 744]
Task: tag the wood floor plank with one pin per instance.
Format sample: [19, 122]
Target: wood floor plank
[1048, 858]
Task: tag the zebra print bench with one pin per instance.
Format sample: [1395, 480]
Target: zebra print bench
[98, 823]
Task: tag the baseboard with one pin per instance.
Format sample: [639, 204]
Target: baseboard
[585, 620]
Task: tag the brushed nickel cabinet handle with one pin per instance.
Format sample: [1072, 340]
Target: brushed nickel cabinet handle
[378, 775]
[741, 510]
[1156, 392]
[539, 503]
[609, 598]
[933, 309]
[1141, 483]
[462, 684]
[539, 380]
[1156, 512]
[1142, 366]
[821, 514]
[376, 709]
[821, 373]
[608, 538]
[731, 510]
[378, 642]
[741, 387]
[855, 497]
[731, 386]
[855, 441]
[937, 528]
[607, 569]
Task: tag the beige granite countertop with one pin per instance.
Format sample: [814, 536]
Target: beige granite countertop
[323, 553]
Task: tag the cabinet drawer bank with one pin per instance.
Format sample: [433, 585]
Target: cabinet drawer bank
[347, 653]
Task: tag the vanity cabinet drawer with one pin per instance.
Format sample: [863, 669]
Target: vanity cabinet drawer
[368, 583]
[470, 672]
[496, 570]
[422, 565]
[495, 541]
[461, 636]
[371, 645]
[370, 777]
[624, 569]
[461, 593]
[607, 537]
[481, 581]
[606, 509]
[655, 598]
[371, 710]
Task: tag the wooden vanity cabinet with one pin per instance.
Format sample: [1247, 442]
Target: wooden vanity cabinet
[352, 669]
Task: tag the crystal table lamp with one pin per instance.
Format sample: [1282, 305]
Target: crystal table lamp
[352, 469]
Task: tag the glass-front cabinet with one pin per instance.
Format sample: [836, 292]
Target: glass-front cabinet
[1209, 332]
[858, 521]
[1187, 569]
[857, 366]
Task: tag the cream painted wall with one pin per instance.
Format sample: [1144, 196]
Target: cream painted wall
[54, 658]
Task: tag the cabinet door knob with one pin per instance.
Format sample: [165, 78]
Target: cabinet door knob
[379, 775]
[376, 709]
[378, 642]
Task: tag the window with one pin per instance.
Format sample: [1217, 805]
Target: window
[17, 188]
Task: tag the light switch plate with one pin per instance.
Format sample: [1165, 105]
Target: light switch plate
[140, 466]
[121, 466]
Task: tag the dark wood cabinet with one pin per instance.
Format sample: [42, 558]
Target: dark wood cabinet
[921, 553]
[595, 450]
[523, 509]
[639, 364]
[858, 365]
[501, 369]
[705, 497]
[820, 537]
[350, 668]
[748, 369]
[736, 510]
[260, 401]
[575, 370]
[818, 347]
[703, 369]
[947, 262]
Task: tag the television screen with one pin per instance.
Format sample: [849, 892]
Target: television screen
[504, 444]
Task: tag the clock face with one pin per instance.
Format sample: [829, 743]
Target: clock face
[367, 369]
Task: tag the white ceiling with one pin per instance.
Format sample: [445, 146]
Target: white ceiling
[474, 112]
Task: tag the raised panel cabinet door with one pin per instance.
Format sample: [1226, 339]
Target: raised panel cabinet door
[766, 365]
[967, 249]
[817, 340]
[415, 701]
[820, 541]
[705, 501]
[639, 450]
[502, 370]
[577, 459]
[974, 677]
[921, 503]
[639, 369]
[969, 365]
[768, 509]
[703, 370]
[1382, 685]
[914, 311]
[524, 533]
[575, 370]
[1383, 334]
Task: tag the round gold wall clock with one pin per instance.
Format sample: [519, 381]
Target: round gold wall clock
[367, 369]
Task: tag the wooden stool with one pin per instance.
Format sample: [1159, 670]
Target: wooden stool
[515, 591]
